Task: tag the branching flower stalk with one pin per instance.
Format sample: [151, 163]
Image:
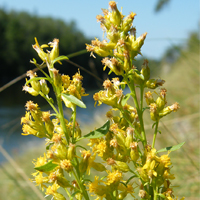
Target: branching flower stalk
[128, 162]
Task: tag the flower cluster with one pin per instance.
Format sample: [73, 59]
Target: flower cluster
[118, 151]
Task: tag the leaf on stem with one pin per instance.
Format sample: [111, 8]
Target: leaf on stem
[59, 59]
[74, 100]
[100, 132]
[171, 148]
[125, 99]
[46, 167]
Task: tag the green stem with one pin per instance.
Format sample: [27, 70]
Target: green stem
[69, 195]
[74, 124]
[155, 134]
[139, 111]
[151, 192]
[155, 194]
[49, 102]
[81, 186]
[61, 116]
[128, 120]
[77, 53]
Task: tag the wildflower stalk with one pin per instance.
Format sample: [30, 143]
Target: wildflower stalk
[61, 117]
[119, 141]
[155, 133]
[81, 186]
[68, 193]
[49, 102]
[131, 86]
[74, 123]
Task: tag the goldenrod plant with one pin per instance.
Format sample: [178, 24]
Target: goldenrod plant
[122, 159]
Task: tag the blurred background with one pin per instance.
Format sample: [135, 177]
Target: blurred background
[171, 46]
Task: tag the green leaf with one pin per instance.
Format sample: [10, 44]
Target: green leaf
[46, 167]
[125, 99]
[74, 100]
[60, 58]
[100, 132]
[171, 148]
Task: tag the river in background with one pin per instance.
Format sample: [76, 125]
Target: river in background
[12, 108]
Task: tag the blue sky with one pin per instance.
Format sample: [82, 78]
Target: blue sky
[169, 27]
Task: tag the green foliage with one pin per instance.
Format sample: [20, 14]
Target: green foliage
[17, 31]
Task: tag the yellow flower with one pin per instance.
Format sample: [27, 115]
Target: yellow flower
[113, 177]
[39, 50]
[40, 180]
[52, 190]
[55, 51]
[97, 189]
[40, 161]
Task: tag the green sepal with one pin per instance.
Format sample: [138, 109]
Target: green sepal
[47, 167]
[74, 100]
[59, 59]
[171, 148]
[125, 99]
[98, 133]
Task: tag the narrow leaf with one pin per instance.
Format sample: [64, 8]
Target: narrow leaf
[125, 99]
[171, 148]
[100, 132]
[46, 167]
[60, 58]
[74, 100]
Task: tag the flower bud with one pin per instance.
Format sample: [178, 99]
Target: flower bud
[98, 166]
[160, 103]
[154, 83]
[122, 166]
[44, 87]
[60, 151]
[71, 151]
[136, 45]
[114, 65]
[55, 51]
[153, 112]
[137, 77]
[57, 78]
[169, 109]
[85, 161]
[134, 152]
[30, 90]
[127, 22]
[48, 123]
[66, 165]
[115, 16]
[40, 51]
[145, 71]
[58, 196]
[143, 194]
[129, 137]
[149, 98]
